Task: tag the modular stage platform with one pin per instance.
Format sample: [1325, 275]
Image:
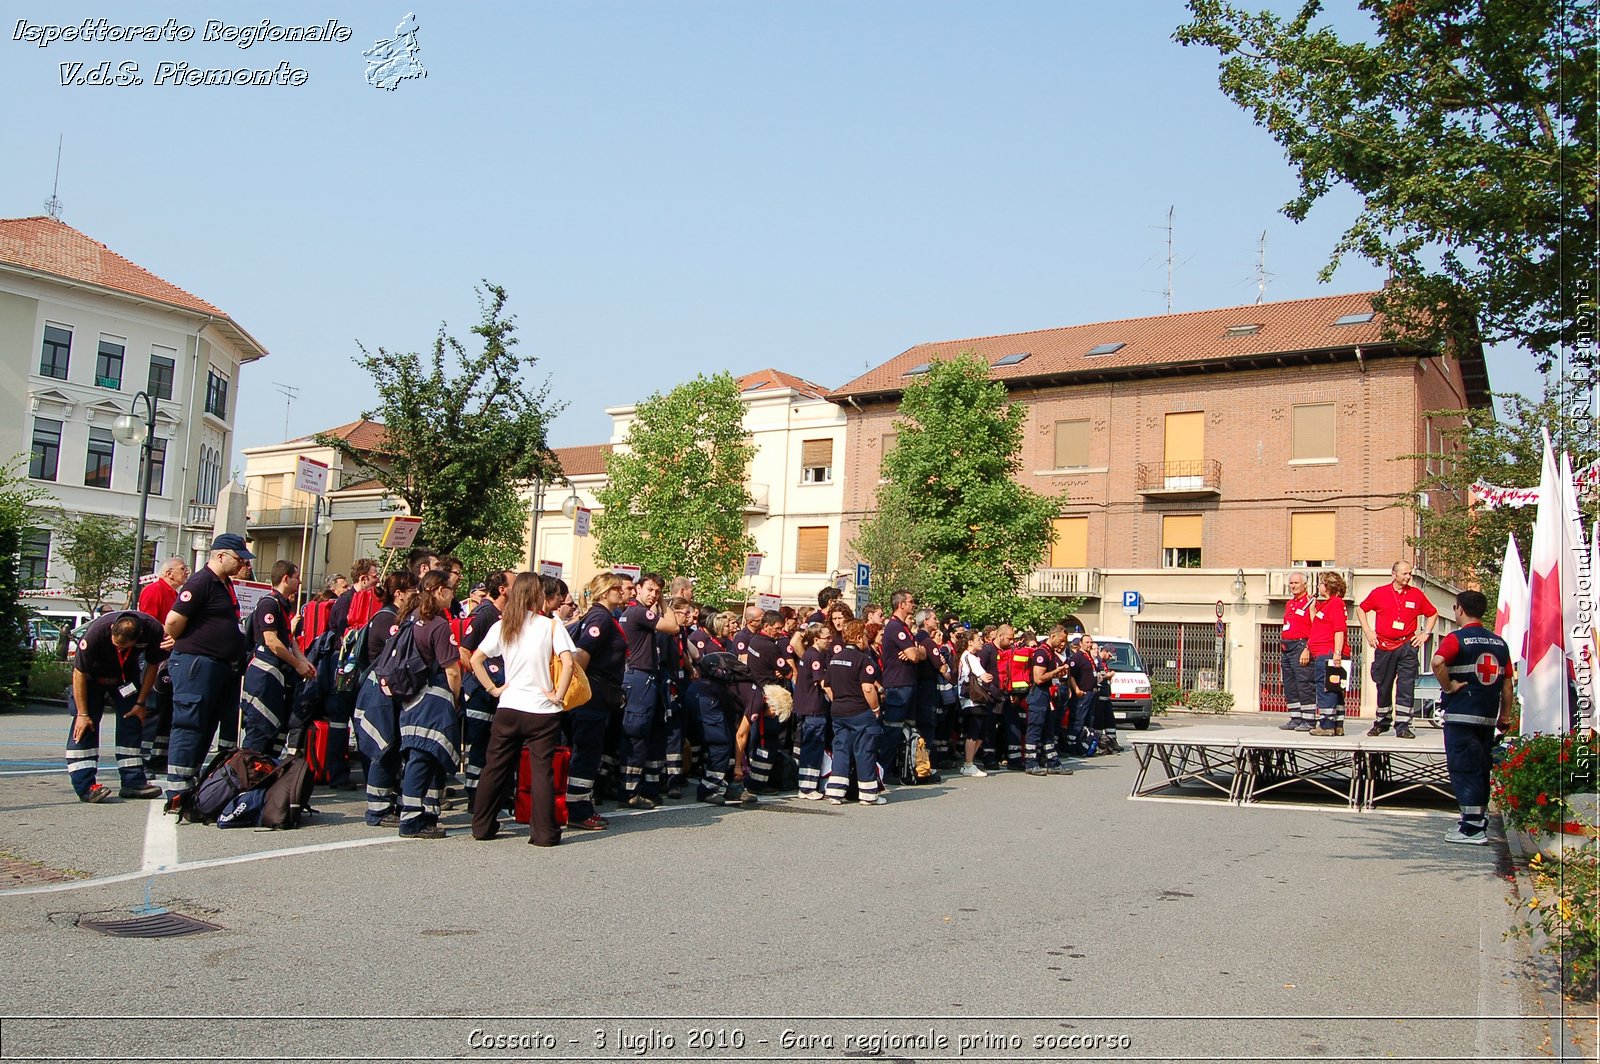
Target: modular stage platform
[1245, 765]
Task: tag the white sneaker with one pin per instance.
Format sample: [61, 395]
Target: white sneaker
[1457, 835]
[812, 796]
[835, 801]
[969, 769]
[877, 800]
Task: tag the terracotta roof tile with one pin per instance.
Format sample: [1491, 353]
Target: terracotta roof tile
[588, 460]
[362, 434]
[46, 245]
[1301, 325]
[767, 379]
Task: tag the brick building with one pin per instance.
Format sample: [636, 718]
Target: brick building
[1194, 455]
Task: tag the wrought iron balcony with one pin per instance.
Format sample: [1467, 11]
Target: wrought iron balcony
[1188, 479]
[281, 517]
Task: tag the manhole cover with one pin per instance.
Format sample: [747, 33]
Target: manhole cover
[157, 925]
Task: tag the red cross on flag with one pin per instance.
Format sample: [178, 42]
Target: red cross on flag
[1552, 599]
[1487, 668]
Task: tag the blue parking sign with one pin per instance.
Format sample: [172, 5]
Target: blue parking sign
[863, 575]
[1132, 601]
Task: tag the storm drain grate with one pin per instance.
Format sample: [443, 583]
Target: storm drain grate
[156, 925]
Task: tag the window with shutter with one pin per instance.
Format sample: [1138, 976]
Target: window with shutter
[1311, 539]
[816, 461]
[1314, 432]
[1180, 541]
[1072, 444]
[1071, 548]
[811, 550]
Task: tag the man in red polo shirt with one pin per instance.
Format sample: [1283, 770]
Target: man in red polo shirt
[1397, 619]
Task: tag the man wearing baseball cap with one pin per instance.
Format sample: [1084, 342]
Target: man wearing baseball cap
[205, 684]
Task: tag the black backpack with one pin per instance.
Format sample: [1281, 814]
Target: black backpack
[722, 667]
[403, 671]
[230, 774]
[351, 653]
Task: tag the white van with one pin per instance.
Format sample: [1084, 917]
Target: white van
[1130, 683]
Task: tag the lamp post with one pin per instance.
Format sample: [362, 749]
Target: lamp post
[1239, 585]
[126, 431]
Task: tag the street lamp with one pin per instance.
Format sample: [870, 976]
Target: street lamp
[1238, 585]
[126, 431]
[570, 506]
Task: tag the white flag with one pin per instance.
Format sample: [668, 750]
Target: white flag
[1577, 592]
[1544, 685]
[1511, 614]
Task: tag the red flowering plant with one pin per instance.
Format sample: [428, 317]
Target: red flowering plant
[1532, 782]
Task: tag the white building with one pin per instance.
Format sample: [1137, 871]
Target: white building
[82, 331]
[795, 483]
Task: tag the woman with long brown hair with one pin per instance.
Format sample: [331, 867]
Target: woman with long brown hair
[529, 713]
[430, 727]
[1325, 651]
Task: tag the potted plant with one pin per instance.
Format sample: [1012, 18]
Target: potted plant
[1544, 787]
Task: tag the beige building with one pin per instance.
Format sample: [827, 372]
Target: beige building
[83, 331]
[1189, 453]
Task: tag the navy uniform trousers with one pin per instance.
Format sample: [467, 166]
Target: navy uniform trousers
[378, 741]
[205, 705]
[83, 756]
[265, 704]
[430, 739]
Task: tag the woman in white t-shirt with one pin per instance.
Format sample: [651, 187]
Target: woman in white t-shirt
[529, 712]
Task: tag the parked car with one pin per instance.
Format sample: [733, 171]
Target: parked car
[74, 638]
[1426, 703]
[1130, 683]
[65, 622]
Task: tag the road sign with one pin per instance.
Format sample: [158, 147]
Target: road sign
[311, 475]
[1219, 609]
[1132, 602]
[863, 575]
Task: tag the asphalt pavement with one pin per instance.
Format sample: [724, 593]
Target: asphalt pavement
[1014, 917]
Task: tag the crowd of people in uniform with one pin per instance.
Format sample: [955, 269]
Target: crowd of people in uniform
[732, 703]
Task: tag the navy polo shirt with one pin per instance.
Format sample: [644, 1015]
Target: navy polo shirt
[639, 629]
[600, 638]
[848, 669]
[103, 661]
[212, 609]
[272, 615]
[897, 637]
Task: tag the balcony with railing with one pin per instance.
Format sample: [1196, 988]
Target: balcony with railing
[200, 515]
[1178, 480]
[280, 517]
[761, 499]
[1065, 583]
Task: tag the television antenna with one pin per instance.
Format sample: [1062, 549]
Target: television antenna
[52, 206]
[290, 394]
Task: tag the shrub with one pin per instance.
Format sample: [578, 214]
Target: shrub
[1531, 783]
[1209, 701]
[49, 677]
[1163, 696]
[1565, 900]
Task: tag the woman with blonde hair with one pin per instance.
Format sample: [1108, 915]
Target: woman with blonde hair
[529, 711]
[602, 651]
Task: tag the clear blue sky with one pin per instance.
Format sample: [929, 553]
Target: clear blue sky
[668, 187]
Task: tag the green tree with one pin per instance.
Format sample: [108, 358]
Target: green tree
[893, 546]
[462, 431]
[508, 548]
[18, 500]
[952, 469]
[100, 551]
[675, 497]
[1468, 129]
[1466, 545]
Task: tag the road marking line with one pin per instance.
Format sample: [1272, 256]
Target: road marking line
[160, 838]
[195, 866]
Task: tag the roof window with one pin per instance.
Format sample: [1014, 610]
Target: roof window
[1243, 330]
[1106, 349]
[1354, 319]
[921, 367]
[1012, 360]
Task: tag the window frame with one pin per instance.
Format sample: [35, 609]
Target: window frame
[1055, 457]
[216, 394]
[158, 467]
[103, 361]
[170, 375]
[799, 549]
[99, 438]
[37, 458]
[33, 569]
[1296, 458]
[57, 351]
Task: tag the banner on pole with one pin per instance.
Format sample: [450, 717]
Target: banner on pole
[752, 564]
[400, 533]
[311, 475]
[550, 569]
[581, 522]
[768, 602]
[250, 593]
